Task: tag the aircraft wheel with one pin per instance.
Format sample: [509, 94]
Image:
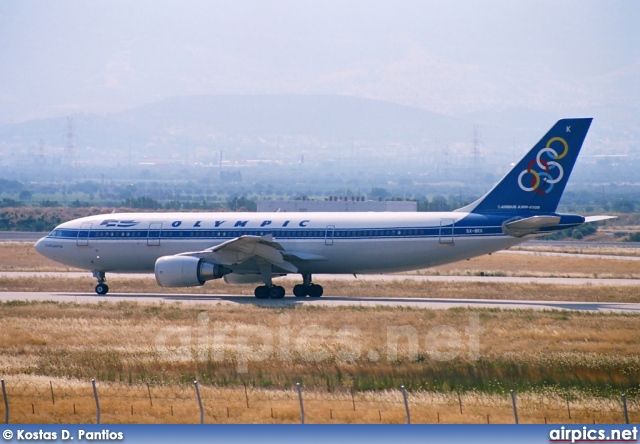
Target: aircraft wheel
[300, 291]
[102, 289]
[276, 292]
[261, 292]
[315, 291]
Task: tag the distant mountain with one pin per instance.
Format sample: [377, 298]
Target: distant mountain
[320, 116]
[198, 128]
[200, 119]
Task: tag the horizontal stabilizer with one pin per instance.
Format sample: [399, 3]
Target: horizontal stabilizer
[598, 218]
[529, 225]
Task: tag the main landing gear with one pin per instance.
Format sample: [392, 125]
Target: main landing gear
[272, 292]
[300, 291]
[101, 288]
[307, 288]
[311, 290]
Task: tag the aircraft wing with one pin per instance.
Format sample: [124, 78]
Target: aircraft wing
[243, 248]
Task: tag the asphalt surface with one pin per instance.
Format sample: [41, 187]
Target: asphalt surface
[325, 301]
[578, 244]
[21, 236]
[113, 277]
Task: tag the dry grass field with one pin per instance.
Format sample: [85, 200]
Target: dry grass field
[350, 361]
[543, 356]
[21, 256]
[73, 402]
[530, 264]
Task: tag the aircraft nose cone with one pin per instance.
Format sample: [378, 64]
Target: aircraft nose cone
[40, 248]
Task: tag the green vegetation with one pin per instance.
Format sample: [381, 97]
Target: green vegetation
[42, 219]
[633, 237]
[573, 233]
[45, 218]
[597, 376]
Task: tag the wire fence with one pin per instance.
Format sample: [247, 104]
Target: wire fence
[81, 401]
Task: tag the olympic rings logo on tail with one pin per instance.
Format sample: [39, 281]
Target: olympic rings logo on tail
[545, 167]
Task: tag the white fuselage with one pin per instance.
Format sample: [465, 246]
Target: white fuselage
[324, 242]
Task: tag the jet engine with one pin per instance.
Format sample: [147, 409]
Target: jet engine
[186, 271]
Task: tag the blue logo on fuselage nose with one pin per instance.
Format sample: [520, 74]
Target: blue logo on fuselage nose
[119, 223]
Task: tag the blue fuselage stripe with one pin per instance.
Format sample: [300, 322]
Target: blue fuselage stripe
[299, 233]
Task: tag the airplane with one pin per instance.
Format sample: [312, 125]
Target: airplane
[189, 249]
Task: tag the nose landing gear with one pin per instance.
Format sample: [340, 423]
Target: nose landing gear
[101, 288]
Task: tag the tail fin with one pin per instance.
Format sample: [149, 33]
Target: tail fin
[536, 182]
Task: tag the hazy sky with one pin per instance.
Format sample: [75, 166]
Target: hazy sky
[448, 56]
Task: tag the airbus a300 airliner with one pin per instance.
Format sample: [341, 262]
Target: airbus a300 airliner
[188, 249]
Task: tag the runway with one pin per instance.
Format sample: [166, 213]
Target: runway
[325, 301]
[113, 277]
[340, 301]
[21, 236]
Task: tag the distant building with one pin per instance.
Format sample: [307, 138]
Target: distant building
[335, 204]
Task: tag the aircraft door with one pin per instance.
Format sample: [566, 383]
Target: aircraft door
[153, 238]
[83, 234]
[446, 232]
[328, 237]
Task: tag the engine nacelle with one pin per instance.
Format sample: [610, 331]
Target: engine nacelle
[186, 271]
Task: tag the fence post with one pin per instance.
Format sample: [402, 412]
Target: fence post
[6, 402]
[624, 406]
[515, 409]
[149, 391]
[353, 399]
[568, 408]
[199, 401]
[301, 403]
[406, 404]
[95, 395]
[53, 399]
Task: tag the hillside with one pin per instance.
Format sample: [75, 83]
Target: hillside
[235, 118]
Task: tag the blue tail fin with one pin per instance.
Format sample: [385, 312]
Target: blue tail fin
[536, 183]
